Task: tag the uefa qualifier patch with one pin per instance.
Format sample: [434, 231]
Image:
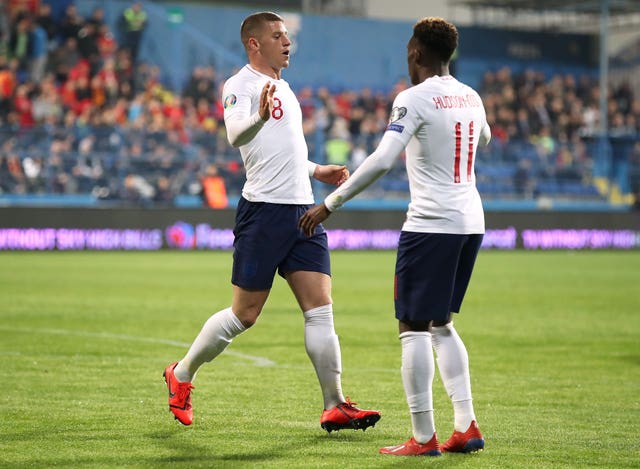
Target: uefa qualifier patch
[230, 101]
[397, 113]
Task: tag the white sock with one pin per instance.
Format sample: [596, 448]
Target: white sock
[216, 334]
[418, 370]
[453, 363]
[323, 348]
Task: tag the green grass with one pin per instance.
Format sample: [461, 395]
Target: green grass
[553, 339]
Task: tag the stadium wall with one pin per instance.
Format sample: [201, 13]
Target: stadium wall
[334, 51]
[204, 229]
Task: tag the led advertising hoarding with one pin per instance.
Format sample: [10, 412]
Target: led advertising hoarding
[182, 235]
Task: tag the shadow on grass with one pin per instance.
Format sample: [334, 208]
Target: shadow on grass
[195, 447]
[190, 451]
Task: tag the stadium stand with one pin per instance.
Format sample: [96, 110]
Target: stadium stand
[84, 123]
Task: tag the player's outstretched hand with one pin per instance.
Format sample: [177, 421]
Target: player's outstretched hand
[331, 174]
[312, 218]
[266, 101]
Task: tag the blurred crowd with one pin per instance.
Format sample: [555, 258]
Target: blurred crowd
[81, 114]
[548, 131]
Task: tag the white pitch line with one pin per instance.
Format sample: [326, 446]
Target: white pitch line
[257, 361]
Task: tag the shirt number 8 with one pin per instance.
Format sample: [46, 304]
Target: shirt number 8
[277, 111]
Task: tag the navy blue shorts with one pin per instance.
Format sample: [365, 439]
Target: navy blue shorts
[432, 274]
[267, 239]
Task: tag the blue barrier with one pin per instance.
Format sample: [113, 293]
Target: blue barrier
[193, 201]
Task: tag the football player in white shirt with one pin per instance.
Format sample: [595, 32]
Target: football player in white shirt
[263, 118]
[440, 122]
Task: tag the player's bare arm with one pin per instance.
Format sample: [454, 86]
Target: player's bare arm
[266, 101]
[331, 174]
[312, 218]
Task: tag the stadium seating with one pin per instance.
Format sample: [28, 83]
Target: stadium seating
[106, 130]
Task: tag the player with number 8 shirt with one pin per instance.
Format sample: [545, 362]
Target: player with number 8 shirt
[264, 120]
[275, 158]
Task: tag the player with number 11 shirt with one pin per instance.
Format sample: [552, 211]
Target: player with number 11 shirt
[440, 121]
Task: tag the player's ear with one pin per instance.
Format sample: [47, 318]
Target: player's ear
[419, 55]
[253, 43]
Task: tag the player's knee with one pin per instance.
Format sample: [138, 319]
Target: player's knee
[413, 326]
[248, 315]
[441, 323]
[320, 300]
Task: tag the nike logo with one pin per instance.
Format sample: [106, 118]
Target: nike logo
[168, 380]
[398, 448]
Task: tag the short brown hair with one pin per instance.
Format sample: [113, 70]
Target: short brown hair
[254, 22]
[438, 36]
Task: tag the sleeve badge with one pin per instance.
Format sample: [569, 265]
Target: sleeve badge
[230, 101]
[397, 113]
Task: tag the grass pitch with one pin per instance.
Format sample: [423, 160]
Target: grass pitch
[553, 340]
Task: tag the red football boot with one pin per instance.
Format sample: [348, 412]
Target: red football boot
[412, 448]
[466, 442]
[347, 415]
[179, 396]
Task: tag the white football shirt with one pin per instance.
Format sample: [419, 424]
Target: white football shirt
[276, 159]
[440, 122]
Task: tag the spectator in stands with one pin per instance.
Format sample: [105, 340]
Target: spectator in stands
[23, 107]
[338, 145]
[523, 179]
[18, 46]
[201, 85]
[97, 18]
[8, 82]
[107, 45]
[4, 45]
[88, 47]
[49, 24]
[307, 102]
[71, 23]
[38, 51]
[133, 24]
[47, 105]
[136, 190]
[566, 168]
[4, 175]
[16, 181]
[214, 191]
[164, 194]
[5, 20]
[63, 59]
[125, 70]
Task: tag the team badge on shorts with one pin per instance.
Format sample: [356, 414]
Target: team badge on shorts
[230, 101]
